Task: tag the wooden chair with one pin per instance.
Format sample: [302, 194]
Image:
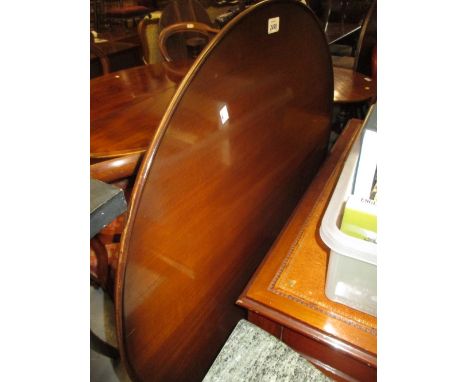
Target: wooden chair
[239, 144]
[104, 248]
[366, 41]
[148, 31]
[117, 11]
[177, 67]
[336, 10]
[185, 28]
[355, 88]
[101, 55]
[348, 12]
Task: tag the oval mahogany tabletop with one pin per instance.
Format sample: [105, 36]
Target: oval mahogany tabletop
[126, 108]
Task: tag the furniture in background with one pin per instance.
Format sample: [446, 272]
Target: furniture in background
[185, 29]
[177, 11]
[106, 203]
[346, 12]
[126, 109]
[117, 53]
[118, 12]
[286, 296]
[361, 61]
[101, 56]
[95, 18]
[177, 67]
[337, 32]
[227, 165]
[148, 32]
[149, 29]
[367, 42]
[105, 221]
[353, 89]
[356, 89]
[178, 57]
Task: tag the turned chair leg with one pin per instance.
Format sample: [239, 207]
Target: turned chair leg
[102, 262]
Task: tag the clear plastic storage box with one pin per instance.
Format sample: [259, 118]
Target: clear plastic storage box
[352, 265]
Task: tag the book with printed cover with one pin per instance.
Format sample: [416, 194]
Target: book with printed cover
[360, 218]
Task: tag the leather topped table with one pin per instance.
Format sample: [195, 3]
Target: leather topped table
[126, 108]
[286, 295]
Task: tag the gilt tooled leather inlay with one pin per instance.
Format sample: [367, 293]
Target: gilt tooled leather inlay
[302, 275]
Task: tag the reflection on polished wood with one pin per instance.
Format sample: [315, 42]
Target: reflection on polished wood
[351, 86]
[237, 147]
[126, 108]
[115, 169]
[286, 296]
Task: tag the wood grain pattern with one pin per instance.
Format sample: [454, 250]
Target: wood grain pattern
[211, 196]
[332, 361]
[350, 332]
[126, 108]
[116, 169]
[351, 86]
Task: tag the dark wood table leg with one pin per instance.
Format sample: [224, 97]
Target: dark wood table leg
[102, 261]
[103, 347]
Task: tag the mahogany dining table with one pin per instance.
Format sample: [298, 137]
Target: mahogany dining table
[126, 108]
[127, 105]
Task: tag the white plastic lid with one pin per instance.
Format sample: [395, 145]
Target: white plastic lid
[329, 229]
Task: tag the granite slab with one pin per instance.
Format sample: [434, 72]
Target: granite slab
[251, 354]
[106, 203]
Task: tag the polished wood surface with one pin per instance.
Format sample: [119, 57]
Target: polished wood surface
[177, 65]
[288, 288]
[212, 195]
[116, 169]
[351, 86]
[112, 47]
[359, 84]
[126, 108]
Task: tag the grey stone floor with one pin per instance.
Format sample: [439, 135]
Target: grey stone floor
[104, 369]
